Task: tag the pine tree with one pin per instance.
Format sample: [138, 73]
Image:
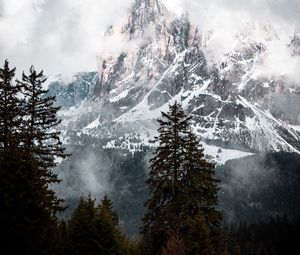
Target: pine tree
[15, 190]
[81, 231]
[181, 184]
[41, 147]
[200, 187]
[164, 212]
[9, 109]
[112, 240]
[95, 230]
[28, 150]
[40, 141]
[199, 179]
[166, 170]
[106, 207]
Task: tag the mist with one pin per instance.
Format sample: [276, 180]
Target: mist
[87, 171]
[67, 36]
[258, 187]
[59, 36]
[272, 23]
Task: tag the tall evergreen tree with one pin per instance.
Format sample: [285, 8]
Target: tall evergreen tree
[41, 142]
[13, 183]
[200, 187]
[27, 156]
[106, 207]
[163, 213]
[9, 109]
[198, 178]
[166, 170]
[181, 183]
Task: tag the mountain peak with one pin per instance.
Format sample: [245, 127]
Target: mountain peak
[233, 109]
[149, 6]
[145, 12]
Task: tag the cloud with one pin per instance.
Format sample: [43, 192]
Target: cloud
[87, 171]
[67, 36]
[269, 22]
[266, 10]
[279, 63]
[57, 35]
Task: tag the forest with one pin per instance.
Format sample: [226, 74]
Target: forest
[182, 214]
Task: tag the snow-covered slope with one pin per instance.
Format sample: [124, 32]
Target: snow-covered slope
[234, 111]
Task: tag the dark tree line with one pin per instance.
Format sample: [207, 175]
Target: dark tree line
[94, 229]
[28, 149]
[279, 235]
[261, 186]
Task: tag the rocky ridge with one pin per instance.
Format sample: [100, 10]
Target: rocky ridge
[235, 112]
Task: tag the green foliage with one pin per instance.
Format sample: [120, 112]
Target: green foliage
[111, 239]
[181, 183]
[28, 223]
[276, 236]
[261, 186]
[198, 238]
[81, 231]
[10, 107]
[199, 185]
[94, 230]
[40, 141]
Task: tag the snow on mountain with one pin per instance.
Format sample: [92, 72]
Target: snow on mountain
[235, 111]
[296, 128]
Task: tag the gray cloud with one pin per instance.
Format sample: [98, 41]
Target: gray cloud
[1, 8]
[57, 35]
[87, 171]
[65, 36]
[256, 20]
[287, 10]
[284, 9]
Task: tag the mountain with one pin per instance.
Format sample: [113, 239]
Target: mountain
[111, 112]
[235, 112]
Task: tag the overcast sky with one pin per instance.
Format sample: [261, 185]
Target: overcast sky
[63, 36]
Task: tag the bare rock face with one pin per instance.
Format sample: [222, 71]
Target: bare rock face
[117, 107]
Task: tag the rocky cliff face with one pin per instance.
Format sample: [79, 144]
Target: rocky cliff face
[234, 111]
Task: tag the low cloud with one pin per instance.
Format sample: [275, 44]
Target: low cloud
[280, 63]
[86, 172]
[270, 22]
